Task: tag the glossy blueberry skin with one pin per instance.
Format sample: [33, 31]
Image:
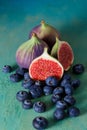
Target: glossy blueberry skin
[58, 90]
[68, 89]
[36, 91]
[27, 104]
[22, 95]
[75, 83]
[73, 111]
[40, 83]
[55, 98]
[47, 90]
[61, 104]
[67, 76]
[40, 123]
[70, 100]
[78, 69]
[39, 107]
[27, 83]
[64, 82]
[15, 77]
[26, 76]
[21, 71]
[59, 114]
[6, 69]
[52, 81]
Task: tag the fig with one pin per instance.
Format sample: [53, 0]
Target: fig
[45, 66]
[29, 50]
[63, 51]
[46, 32]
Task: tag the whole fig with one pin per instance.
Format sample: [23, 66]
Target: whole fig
[46, 32]
[29, 50]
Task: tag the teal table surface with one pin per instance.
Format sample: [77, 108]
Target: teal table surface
[17, 18]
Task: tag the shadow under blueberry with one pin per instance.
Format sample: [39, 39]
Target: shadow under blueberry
[14, 67]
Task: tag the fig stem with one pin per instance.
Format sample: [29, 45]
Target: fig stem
[33, 34]
[42, 22]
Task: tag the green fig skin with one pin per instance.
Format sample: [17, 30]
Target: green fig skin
[29, 50]
[46, 32]
[64, 53]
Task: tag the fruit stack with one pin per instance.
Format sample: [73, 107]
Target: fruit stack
[44, 61]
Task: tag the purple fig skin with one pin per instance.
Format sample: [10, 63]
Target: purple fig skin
[26, 54]
[46, 33]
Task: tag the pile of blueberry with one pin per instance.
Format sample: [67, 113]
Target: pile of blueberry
[61, 94]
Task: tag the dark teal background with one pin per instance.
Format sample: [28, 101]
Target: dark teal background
[17, 18]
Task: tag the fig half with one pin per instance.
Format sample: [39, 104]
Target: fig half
[63, 51]
[45, 66]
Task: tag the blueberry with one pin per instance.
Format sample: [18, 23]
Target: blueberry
[70, 100]
[68, 89]
[26, 76]
[7, 69]
[27, 104]
[40, 123]
[15, 77]
[39, 107]
[22, 95]
[67, 76]
[78, 69]
[61, 104]
[47, 90]
[27, 83]
[75, 83]
[64, 82]
[21, 71]
[55, 98]
[58, 90]
[39, 83]
[73, 111]
[59, 114]
[52, 81]
[36, 91]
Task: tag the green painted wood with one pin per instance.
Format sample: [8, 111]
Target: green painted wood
[16, 20]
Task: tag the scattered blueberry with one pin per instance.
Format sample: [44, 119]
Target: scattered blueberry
[7, 69]
[67, 76]
[47, 90]
[61, 104]
[21, 71]
[59, 114]
[39, 83]
[26, 76]
[78, 69]
[68, 89]
[15, 77]
[70, 100]
[27, 83]
[36, 91]
[22, 95]
[27, 104]
[64, 82]
[39, 107]
[58, 90]
[73, 111]
[52, 81]
[40, 123]
[75, 83]
[55, 98]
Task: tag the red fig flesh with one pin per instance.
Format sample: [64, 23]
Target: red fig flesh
[63, 51]
[45, 66]
[46, 32]
[65, 55]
